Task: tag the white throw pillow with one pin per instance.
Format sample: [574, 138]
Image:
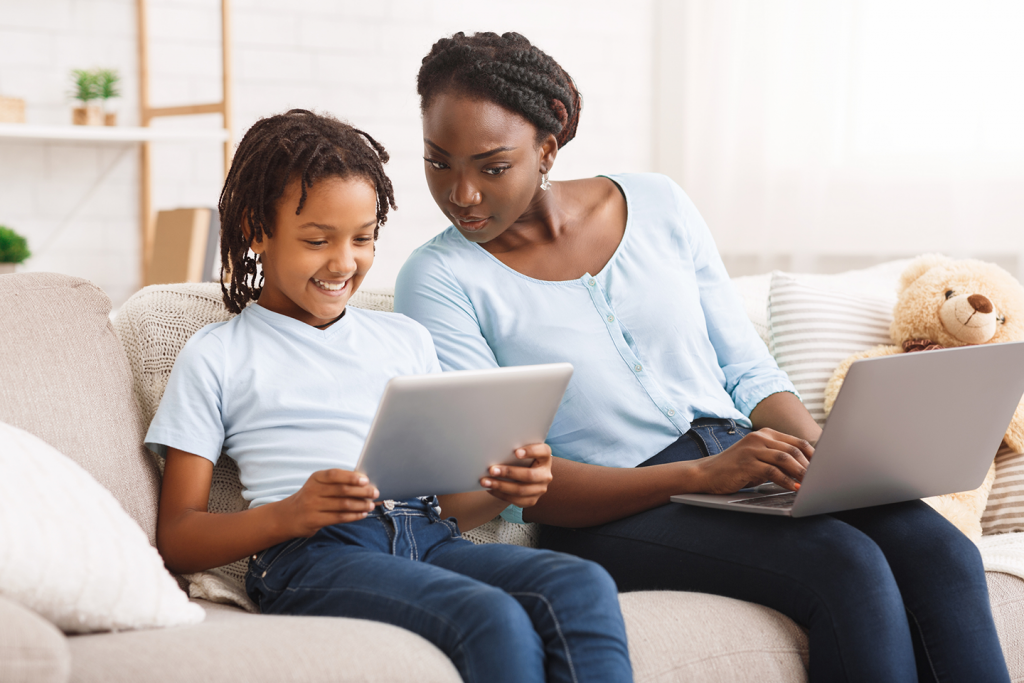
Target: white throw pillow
[814, 329]
[69, 551]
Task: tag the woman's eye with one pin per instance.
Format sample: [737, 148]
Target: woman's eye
[949, 294]
[436, 165]
[498, 170]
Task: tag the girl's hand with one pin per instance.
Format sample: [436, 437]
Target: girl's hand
[328, 497]
[761, 456]
[521, 486]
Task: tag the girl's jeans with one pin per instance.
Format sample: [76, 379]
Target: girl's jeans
[890, 593]
[500, 612]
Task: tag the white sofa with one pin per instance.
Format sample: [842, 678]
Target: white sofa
[65, 377]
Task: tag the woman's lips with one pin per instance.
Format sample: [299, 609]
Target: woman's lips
[471, 223]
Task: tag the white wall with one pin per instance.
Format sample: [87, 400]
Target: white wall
[78, 203]
[826, 134]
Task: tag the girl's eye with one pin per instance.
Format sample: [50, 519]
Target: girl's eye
[316, 243]
[949, 294]
[436, 165]
[364, 240]
[498, 170]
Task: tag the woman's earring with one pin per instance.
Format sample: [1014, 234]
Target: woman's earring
[545, 184]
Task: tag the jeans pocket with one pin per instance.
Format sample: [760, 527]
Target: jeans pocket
[452, 525]
[269, 557]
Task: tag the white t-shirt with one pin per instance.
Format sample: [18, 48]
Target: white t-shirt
[282, 398]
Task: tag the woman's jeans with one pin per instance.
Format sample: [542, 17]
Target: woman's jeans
[500, 612]
[889, 593]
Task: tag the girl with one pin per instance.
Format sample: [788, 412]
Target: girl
[673, 391]
[288, 389]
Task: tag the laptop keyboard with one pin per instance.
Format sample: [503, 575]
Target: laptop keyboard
[777, 500]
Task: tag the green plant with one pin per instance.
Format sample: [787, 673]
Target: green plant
[108, 83]
[13, 247]
[85, 86]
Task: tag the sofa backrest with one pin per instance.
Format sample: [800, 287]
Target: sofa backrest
[65, 379]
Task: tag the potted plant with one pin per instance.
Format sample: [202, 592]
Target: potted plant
[13, 249]
[85, 89]
[108, 82]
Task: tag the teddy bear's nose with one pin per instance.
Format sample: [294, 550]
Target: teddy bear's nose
[980, 303]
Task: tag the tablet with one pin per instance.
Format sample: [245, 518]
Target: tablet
[438, 433]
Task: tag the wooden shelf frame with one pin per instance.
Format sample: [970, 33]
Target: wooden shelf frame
[147, 113]
[112, 134]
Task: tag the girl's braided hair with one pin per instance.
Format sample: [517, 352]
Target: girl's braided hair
[276, 150]
[509, 71]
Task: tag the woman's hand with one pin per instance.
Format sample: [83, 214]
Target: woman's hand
[328, 497]
[518, 485]
[761, 456]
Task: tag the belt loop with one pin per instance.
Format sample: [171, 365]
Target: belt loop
[732, 426]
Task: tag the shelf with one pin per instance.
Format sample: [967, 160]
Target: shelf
[109, 133]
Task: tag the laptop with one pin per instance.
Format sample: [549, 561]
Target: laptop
[438, 433]
[903, 427]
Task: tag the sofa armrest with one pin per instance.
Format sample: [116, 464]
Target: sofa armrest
[31, 649]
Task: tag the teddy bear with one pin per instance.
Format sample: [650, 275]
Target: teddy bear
[944, 303]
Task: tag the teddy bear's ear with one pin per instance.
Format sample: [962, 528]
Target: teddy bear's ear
[918, 267]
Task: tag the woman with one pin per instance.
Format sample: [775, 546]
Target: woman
[673, 391]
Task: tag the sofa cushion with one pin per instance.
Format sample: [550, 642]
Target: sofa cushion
[813, 330]
[1004, 511]
[64, 378]
[232, 645]
[676, 636]
[1006, 593]
[52, 511]
[32, 650]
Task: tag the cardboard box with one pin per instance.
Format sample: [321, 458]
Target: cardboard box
[12, 110]
[181, 246]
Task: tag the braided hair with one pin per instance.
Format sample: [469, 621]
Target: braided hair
[509, 71]
[275, 151]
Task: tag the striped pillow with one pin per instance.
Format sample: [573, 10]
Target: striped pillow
[814, 329]
[1005, 509]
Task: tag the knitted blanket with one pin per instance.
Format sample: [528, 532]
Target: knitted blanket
[1003, 553]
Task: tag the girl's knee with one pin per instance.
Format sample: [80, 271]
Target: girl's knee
[498, 614]
[567, 572]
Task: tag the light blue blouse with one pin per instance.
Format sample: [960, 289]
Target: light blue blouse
[658, 337]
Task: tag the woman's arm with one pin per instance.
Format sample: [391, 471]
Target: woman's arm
[190, 539]
[785, 413]
[583, 495]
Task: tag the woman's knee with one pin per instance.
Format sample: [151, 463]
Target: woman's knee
[851, 565]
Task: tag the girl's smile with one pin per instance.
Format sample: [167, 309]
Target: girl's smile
[315, 260]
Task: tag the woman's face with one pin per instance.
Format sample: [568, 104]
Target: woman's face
[483, 164]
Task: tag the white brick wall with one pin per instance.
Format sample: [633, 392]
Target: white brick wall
[355, 59]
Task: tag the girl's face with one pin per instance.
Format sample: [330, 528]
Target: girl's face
[317, 259]
[483, 164]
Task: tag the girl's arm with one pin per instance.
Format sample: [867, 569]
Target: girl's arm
[522, 486]
[190, 539]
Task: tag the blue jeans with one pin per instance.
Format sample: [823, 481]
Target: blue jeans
[890, 593]
[500, 612]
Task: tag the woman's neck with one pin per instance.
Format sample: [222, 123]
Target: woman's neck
[543, 222]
